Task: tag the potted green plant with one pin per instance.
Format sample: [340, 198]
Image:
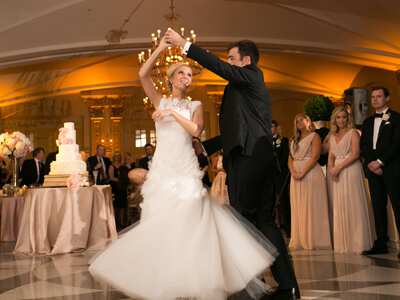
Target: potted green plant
[319, 109]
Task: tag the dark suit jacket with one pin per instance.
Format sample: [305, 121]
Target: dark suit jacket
[93, 161]
[29, 173]
[387, 146]
[143, 163]
[245, 116]
[281, 150]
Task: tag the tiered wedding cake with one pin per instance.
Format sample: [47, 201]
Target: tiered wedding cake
[68, 160]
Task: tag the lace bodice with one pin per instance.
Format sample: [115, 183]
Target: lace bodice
[174, 152]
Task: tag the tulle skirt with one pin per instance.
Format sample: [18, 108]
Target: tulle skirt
[188, 246]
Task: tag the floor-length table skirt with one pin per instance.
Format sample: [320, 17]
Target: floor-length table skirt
[10, 217]
[63, 220]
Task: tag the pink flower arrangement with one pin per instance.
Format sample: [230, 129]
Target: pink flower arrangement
[62, 137]
[15, 144]
[76, 180]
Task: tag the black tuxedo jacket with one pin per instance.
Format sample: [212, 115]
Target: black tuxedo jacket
[29, 173]
[281, 150]
[93, 161]
[387, 145]
[144, 163]
[245, 116]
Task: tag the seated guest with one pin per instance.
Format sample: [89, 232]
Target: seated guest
[204, 160]
[144, 162]
[32, 169]
[219, 189]
[308, 195]
[100, 163]
[5, 174]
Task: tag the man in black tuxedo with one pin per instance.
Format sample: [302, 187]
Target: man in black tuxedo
[249, 160]
[144, 162]
[380, 147]
[32, 169]
[281, 149]
[102, 164]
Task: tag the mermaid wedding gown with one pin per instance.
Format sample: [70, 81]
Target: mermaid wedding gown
[186, 245]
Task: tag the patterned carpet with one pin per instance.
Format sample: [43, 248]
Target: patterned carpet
[321, 275]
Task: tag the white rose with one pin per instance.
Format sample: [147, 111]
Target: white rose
[6, 151]
[20, 146]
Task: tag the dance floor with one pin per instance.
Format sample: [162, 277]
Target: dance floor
[321, 275]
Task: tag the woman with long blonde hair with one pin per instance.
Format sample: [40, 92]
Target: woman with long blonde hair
[308, 194]
[351, 223]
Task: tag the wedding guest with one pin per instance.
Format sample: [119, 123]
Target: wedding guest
[308, 195]
[219, 189]
[281, 149]
[145, 162]
[118, 189]
[380, 147]
[49, 159]
[100, 163]
[32, 169]
[128, 161]
[5, 174]
[352, 227]
[204, 160]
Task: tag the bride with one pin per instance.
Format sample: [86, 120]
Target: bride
[186, 245]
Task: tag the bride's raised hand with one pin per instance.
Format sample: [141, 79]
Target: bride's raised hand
[163, 43]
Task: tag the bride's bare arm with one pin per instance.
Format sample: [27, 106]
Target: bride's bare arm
[194, 127]
[144, 75]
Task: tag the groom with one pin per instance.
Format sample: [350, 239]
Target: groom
[380, 147]
[249, 160]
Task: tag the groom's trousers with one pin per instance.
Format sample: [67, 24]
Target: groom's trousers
[250, 186]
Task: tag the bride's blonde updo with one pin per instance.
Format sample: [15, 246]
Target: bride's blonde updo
[171, 70]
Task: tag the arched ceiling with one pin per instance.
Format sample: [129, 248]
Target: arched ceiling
[50, 47]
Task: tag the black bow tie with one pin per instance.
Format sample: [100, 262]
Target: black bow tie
[376, 115]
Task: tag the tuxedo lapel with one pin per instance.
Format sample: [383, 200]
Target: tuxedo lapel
[383, 124]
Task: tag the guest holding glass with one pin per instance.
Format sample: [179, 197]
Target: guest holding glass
[352, 227]
[308, 194]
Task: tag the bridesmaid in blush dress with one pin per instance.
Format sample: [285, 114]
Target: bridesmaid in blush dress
[308, 194]
[352, 227]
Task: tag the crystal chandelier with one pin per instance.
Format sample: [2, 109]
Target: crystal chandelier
[170, 56]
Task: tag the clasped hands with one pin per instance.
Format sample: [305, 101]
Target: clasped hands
[375, 167]
[174, 38]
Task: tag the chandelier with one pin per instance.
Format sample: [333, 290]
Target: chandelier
[170, 56]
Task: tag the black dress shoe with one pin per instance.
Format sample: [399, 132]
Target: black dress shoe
[285, 294]
[375, 250]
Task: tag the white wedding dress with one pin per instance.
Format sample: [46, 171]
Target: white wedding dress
[186, 245]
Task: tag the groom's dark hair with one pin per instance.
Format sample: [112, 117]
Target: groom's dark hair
[246, 48]
[385, 90]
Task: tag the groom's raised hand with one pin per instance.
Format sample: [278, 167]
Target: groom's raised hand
[174, 38]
